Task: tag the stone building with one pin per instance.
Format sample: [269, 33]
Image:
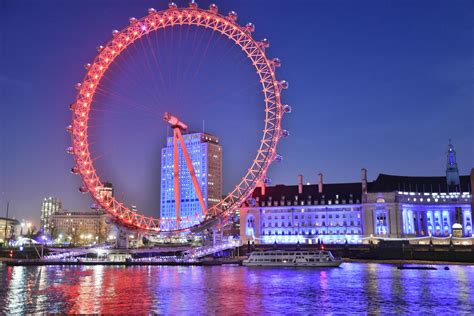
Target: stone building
[391, 206]
[8, 229]
[80, 227]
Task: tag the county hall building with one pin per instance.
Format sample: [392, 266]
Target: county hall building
[392, 206]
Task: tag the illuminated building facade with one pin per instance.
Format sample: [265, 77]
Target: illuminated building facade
[389, 207]
[80, 227]
[398, 206]
[107, 190]
[206, 156]
[331, 213]
[50, 206]
[8, 229]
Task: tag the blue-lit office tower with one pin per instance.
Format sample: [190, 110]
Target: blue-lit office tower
[206, 156]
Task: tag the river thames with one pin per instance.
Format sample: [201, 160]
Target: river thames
[232, 290]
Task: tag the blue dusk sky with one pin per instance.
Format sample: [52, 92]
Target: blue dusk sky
[377, 84]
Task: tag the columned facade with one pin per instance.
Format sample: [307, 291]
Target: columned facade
[342, 213]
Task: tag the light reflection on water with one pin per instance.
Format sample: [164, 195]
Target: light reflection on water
[354, 288]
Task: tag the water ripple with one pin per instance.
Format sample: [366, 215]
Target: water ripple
[231, 290]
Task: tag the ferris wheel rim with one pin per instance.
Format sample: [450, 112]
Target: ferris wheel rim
[156, 20]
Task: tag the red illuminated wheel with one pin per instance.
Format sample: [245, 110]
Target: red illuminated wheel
[192, 15]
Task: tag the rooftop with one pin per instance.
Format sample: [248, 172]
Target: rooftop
[349, 193]
[390, 183]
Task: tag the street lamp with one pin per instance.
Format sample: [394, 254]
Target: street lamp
[59, 239]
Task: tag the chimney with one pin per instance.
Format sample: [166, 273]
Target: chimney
[300, 184]
[364, 181]
[320, 183]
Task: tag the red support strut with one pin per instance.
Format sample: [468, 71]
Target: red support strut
[177, 126]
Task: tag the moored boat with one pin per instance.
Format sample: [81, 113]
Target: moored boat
[401, 267]
[282, 258]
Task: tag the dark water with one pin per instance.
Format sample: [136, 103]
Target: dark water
[353, 288]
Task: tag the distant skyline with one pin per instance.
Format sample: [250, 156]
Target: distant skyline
[377, 84]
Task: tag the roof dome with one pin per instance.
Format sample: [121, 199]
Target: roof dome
[457, 226]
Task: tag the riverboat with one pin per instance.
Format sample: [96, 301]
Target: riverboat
[283, 258]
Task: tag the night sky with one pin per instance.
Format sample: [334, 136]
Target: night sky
[377, 84]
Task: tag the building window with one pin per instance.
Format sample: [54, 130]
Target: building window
[381, 223]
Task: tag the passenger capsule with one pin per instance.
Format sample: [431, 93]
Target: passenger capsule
[151, 11]
[265, 43]
[276, 62]
[115, 33]
[78, 86]
[69, 128]
[83, 189]
[87, 66]
[267, 181]
[286, 108]
[250, 27]
[132, 20]
[278, 158]
[95, 206]
[193, 4]
[284, 84]
[172, 5]
[284, 132]
[213, 8]
[75, 170]
[72, 106]
[70, 150]
[100, 48]
[232, 15]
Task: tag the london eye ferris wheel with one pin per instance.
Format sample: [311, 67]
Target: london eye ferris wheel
[271, 105]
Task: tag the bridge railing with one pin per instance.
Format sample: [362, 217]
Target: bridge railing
[68, 253]
[211, 249]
